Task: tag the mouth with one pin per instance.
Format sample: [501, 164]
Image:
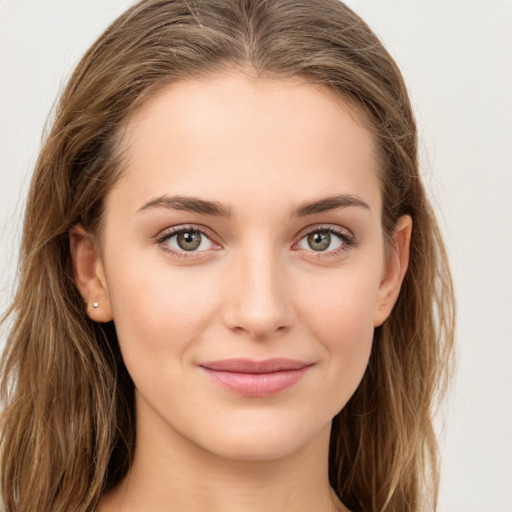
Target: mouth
[256, 378]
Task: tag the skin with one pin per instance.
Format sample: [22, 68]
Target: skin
[254, 289]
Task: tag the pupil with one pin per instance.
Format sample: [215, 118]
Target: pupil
[319, 240]
[189, 240]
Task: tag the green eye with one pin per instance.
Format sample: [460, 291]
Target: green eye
[189, 240]
[319, 240]
[330, 240]
[185, 240]
[323, 240]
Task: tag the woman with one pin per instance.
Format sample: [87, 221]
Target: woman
[233, 291]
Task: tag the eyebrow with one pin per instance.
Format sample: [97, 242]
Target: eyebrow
[216, 209]
[329, 203]
[189, 204]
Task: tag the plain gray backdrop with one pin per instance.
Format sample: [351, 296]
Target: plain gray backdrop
[456, 56]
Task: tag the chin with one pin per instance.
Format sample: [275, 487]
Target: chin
[263, 442]
[255, 451]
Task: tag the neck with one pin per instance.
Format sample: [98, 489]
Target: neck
[175, 475]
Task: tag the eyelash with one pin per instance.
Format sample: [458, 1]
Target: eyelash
[169, 233]
[348, 241]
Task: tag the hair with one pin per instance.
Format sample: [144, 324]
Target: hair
[67, 427]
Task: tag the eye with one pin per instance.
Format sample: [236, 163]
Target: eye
[326, 240]
[184, 240]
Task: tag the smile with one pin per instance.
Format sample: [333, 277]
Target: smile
[256, 378]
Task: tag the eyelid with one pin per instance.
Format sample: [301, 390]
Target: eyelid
[342, 232]
[347, 238]
[172, 230]
[175, 230]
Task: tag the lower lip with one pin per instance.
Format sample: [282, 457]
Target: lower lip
[257, 384]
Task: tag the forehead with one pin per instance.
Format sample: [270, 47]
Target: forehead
[229, 135]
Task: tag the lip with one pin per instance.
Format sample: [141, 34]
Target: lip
[256, 378]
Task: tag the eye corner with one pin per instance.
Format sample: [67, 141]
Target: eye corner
[346, 241]
[164, 240]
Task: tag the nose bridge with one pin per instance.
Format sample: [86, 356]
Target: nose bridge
[258, 299]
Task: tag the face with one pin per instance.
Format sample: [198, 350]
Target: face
[242, 262]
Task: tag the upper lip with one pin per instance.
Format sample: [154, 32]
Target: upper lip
[249, 366]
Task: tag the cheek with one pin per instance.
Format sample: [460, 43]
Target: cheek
[340, 317]
[159, 311]
[341, 303]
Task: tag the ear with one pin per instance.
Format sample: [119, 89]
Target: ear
[89, 274]
[394, 270]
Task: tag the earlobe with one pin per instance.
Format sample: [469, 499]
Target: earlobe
[89, 274]
[394, 271]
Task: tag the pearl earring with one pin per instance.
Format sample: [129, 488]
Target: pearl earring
[95, 305]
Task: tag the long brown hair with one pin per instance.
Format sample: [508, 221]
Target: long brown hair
[67, 428]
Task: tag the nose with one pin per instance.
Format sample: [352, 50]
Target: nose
[257, 299]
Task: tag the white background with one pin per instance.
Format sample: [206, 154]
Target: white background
[456, 56]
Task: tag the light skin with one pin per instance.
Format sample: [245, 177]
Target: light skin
[274, 186]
